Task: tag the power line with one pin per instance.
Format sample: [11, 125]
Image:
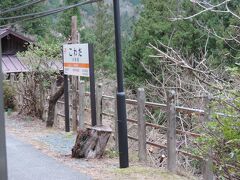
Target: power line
[31, 14]
[47, 13]
[17, 7]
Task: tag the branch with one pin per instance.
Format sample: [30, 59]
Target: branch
[178, 61]
[211, 8]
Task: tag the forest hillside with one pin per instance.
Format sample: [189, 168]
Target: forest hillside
[190, 48]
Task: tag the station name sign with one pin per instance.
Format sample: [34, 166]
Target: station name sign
[76, 59]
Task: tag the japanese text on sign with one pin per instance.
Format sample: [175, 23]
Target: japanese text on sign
[76, 59]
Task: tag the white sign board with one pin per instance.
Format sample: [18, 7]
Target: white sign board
[76, 59]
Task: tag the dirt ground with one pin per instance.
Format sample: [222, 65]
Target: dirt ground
[57, 144]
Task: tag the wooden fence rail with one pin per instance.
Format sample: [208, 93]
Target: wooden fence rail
[170, 108]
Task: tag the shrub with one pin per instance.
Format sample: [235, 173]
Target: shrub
[222, 136]
[9, 96]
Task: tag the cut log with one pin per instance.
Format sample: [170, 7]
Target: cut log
[92, 142]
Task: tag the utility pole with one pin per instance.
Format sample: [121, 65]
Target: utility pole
[74, 31]
[3, 154]
[121, 100]
[74, 40]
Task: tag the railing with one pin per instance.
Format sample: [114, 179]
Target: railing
[171, 110]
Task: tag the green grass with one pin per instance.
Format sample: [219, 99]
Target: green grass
[140, 172]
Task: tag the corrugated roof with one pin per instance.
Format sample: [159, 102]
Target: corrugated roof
[56, 65]
[11, 64]
[2, 31]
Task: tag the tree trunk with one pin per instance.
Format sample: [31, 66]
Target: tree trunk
[91, 143]
[52, 102]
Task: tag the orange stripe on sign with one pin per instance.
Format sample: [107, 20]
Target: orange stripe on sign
[79, 65]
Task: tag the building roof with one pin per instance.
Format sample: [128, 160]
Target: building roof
[6, 31]
[11, 64]
[55, 65]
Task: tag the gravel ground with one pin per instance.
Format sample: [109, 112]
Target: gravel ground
[58, 144]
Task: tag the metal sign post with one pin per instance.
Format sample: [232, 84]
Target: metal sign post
[92, 86]
[121, 104]
[3, 154]
[78, 61]
[66, 102]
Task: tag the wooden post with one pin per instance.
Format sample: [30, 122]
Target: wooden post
[74, 30]
[99, 104]
[45, 112]
[53, 88]
[20, 89]
[142, 151]
[4, 77]
[81, 104]
[75, 39]
[56, 115]
[42, 101]
[12, 77]
[171, 132]
[116, 123]
[207, 162]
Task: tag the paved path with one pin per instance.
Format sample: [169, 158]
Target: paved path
[28, 163]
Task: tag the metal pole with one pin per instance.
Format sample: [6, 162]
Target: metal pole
[121, 104]
[66, 99]
[92, 85]
[3, 154]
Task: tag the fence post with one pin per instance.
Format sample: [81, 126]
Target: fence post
[99, 104]
[116, 122]
[12, 77]
[20, 89]
[81, 104]
[74, 103]
[142, 151]
[56, 115]
[45, 111]
[46, 103]
[171, 132]
[207, 162]
[4, 77]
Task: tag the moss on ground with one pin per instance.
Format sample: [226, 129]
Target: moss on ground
[140, 172]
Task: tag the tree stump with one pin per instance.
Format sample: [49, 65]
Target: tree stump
[92, 142]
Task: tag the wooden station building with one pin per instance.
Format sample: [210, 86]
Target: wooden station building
[13, 42]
